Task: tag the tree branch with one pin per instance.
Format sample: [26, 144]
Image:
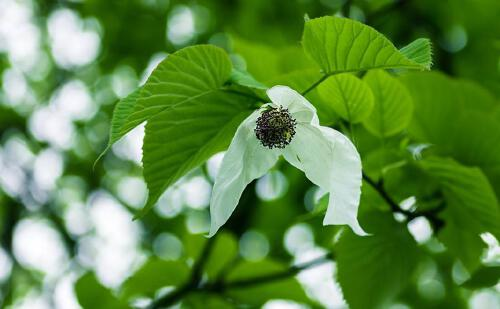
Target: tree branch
[430, 214]
[220, 286]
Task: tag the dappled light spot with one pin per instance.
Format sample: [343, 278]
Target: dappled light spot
[272, 186]
[254, 245]
[168, 246]
[39, 246]
[73, 41]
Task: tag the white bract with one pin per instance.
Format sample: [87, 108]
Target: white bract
[326, 157]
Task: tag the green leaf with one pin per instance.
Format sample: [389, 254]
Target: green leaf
[484, 277]
[349, 96]
[456, 117]
[344, 45]
[153, 275]
[257, 294]
[223, 252]
[266, 62]
[373, 270]
[92, 295]
[122, 110]
[393, 106]
[186, 74]
[243, 78]
[419, 51]
[178, 140]
[471, 208]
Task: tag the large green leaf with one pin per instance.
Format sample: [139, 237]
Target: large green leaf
[153, 275]
[393, 107]
[257, 294]
[92, 295]
[373, 270]
[179, 139]
[344, 45]
[181, 77]
[349, 96]
[457, 117]
[472, 208]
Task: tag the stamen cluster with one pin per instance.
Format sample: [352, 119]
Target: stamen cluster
[275, 127]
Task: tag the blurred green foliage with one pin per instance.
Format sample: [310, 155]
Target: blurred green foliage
[66, 229]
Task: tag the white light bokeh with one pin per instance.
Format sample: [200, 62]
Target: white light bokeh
[133, 191]
[282, 304]
[299, 238]
[493, 252]
[124, 81]
[117, 238]
[51, 125]
[38, 245]
[130, 146]
[318, 281]
[5, 265]
[170, 203]
[14, 86]
[196, 192]
[420, 229]
[64, 294]
[73, 100]
[484, 299]
[72, 43]
[47, 169]
[76, 219]
[181, 25]
[19, 36]
[153, 63]
[213, 165]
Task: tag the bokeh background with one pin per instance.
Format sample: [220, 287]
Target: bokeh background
[63, 66]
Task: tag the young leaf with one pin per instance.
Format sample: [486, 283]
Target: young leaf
[349, 96]
[153, 275]
[344, 45]
[373, 270]
[393, 106]
[92, 295]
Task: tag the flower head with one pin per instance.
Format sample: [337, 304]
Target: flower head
[275, 127]
[289, 127]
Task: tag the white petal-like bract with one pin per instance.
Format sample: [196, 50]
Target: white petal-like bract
[301, 109]
[245, 160]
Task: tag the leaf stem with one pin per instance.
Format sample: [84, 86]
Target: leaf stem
[315, 84]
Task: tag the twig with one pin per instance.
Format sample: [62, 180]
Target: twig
[430, 214]
[316, 84]
[220, 286]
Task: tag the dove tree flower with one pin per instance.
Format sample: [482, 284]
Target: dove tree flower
[289, 127]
